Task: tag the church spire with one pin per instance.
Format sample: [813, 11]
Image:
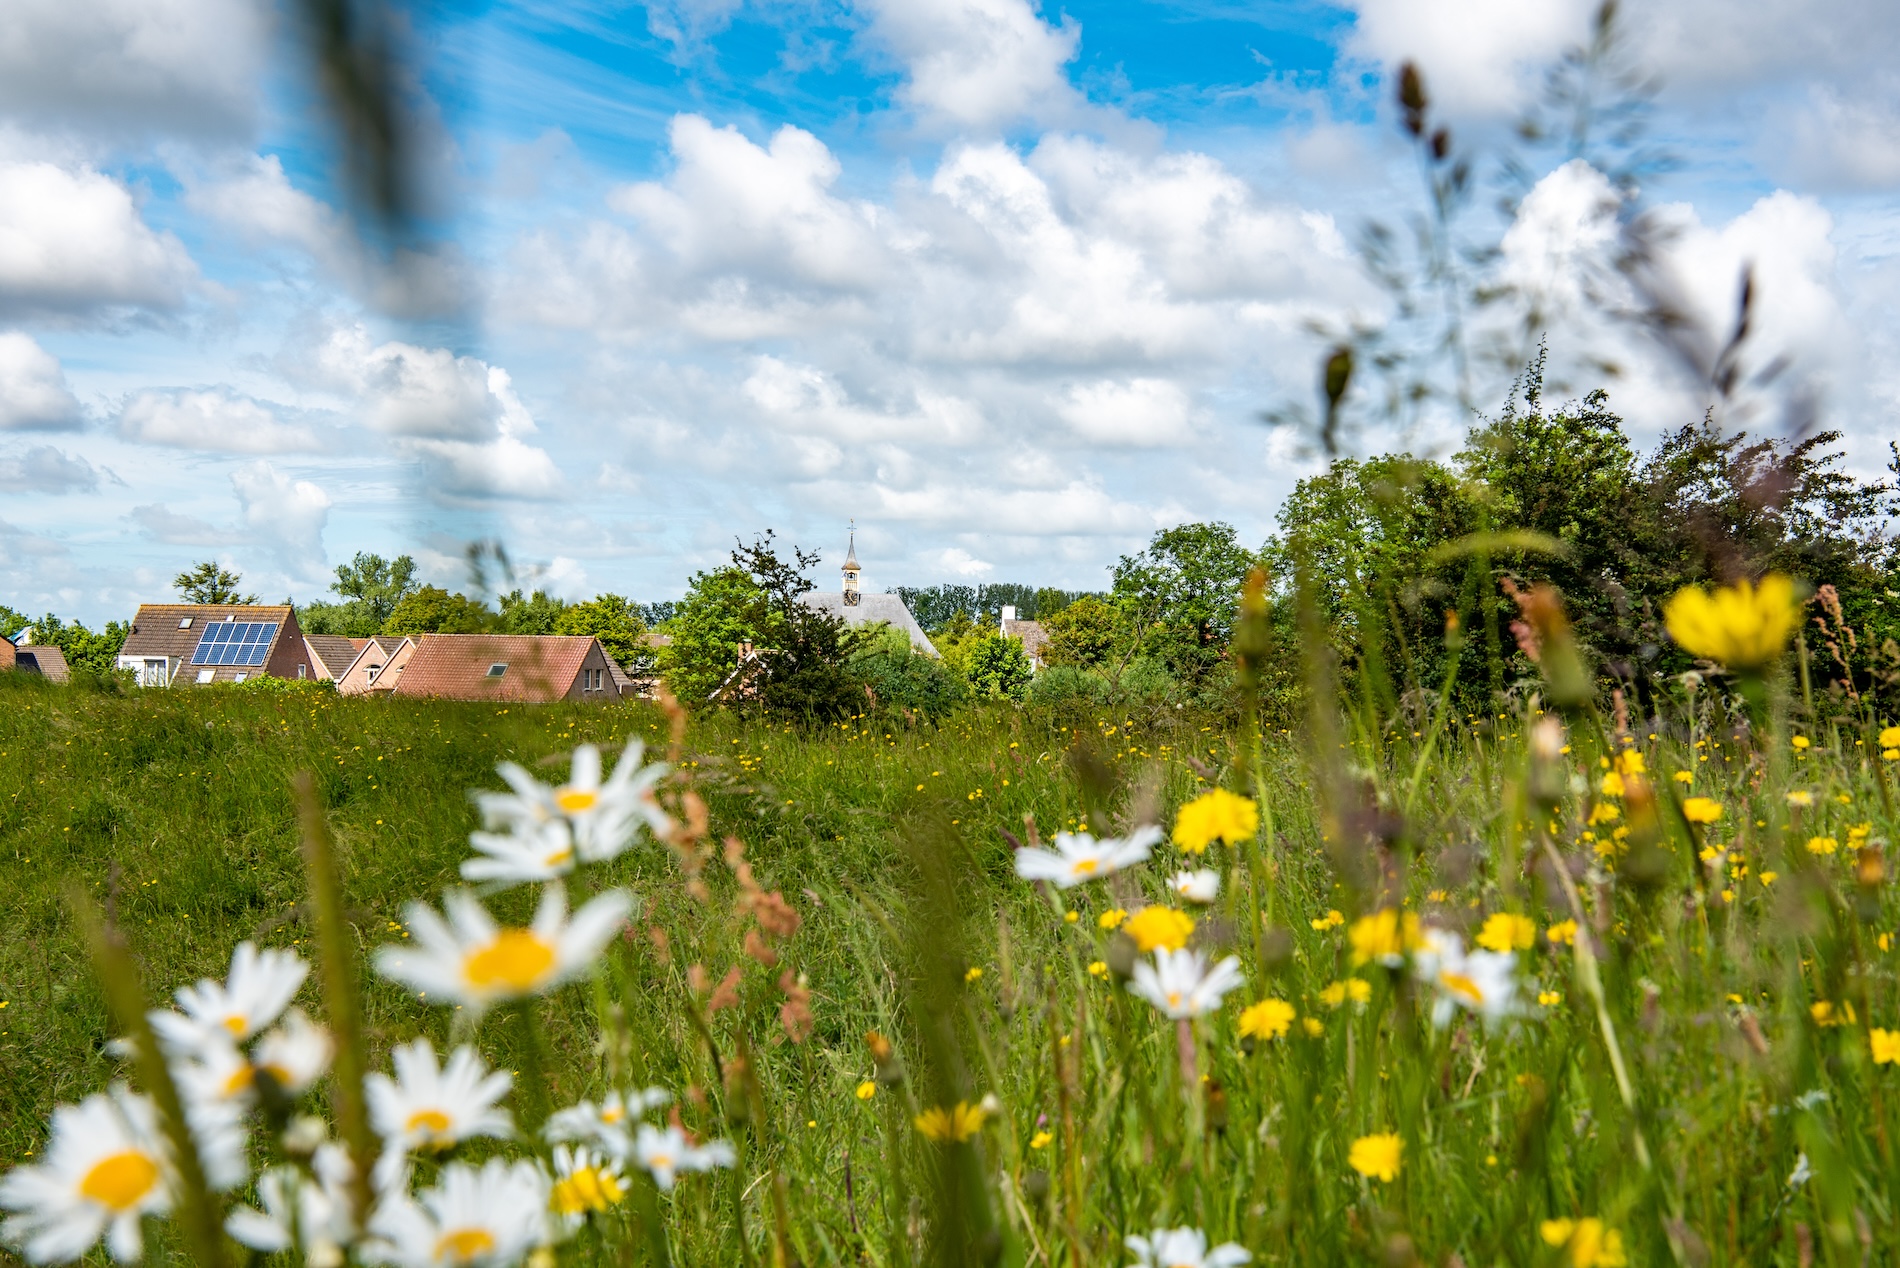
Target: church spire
[851, 568]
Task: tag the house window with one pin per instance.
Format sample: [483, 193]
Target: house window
[152, 673]
[497, 669]
[374, 670]
[205, 675]
[240, 678]
[303, 671]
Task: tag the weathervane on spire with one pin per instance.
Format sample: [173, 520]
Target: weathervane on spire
[851, 569]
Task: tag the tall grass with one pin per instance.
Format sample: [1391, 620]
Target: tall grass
[1681, 1080]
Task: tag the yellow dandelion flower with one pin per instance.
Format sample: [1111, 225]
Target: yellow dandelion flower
[1111, 919]
[1313, 1026]
[1769, 878]
[1098, 968]
[1742, 626]
[1613, 785]
[1549, 998]
[1822, 845]
[1331, 920]
[1507, 931]
[973, 974]
[1890, 738]
[866, 1090]
[1826, 1013]
[1629, 762]
[1701, 809]
[958, 1122]
[1562, 934]
[1377, 1156]
[1684, 777]
[1040, 1140]
[1801, 798]
[1587, 1243]
[1385, 935]
[1215, 816]
[1269, 1019]
[1153, 927]
[1886, 1046]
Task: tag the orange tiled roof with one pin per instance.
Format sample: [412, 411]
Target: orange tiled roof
[540, 668]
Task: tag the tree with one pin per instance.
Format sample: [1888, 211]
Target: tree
[11, 622]
[617, 624]
[537, 613]
[1082, 633]
[903, 679]
[207, 582]
[998, 667]
[433, 610]
[376, 583]
[805, 674]
[84, 650]
[711, 623]
[1181, 595]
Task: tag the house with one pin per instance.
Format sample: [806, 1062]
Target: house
[378, 665]
[178, 644]
[854, 607]
[331, 654]
[42, 659]
[1031, 634]
[523, 668]
[9, 656]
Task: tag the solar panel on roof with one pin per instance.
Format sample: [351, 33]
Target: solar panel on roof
[235, 643]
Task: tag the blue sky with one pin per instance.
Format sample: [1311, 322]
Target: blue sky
[1010, 285]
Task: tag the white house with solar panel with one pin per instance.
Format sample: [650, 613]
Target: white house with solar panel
[188, 644]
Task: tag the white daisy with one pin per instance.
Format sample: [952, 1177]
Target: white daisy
[609, 1124]
[1184, 1248]
[1483, 982]
[666, 1153]
[1181, 984]
[427, 1106]
[471, 1219]
[106, 1167]
[300, 1209]
[468, 959]
[584, 1184]
[295, 1054]
[260, 984]
[535, 852]
[1197, 886]
[1079, 857]
[603, 818]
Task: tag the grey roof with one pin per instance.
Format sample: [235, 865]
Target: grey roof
[872, 608]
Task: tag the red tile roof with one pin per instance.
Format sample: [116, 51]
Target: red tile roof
[538, 668]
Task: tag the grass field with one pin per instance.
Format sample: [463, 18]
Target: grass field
[1718, 1099]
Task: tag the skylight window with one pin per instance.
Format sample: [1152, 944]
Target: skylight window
[497, 669]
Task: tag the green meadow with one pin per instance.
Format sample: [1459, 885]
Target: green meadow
[1692, 1065]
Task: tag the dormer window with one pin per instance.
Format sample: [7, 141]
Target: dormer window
[497, 669]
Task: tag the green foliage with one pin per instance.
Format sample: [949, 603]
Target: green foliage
[210, 582]
[433, 610]
[535, 613]
[11, 622]
[85, 651]
[901, 678]
[352, 619]
[1180, 596]
[1082, 633]
[996, 667]
[804, 666]
[618, 625]
[936, 607]
[375, 586]
[710, 625]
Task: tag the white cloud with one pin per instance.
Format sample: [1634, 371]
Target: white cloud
[1850, 142]
[132, 67]
[72, 244]
[44, 469]
[961, 563]
[287, 516]
[1477, 56]
[979, 65]
[33, 391]
[499, 468]
[162, 524]
[214, 420]
[1139, 412]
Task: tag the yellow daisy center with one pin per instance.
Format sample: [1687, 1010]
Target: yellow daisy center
[573, 801]
[1463, 987]
[1174, 999]
[612, 1114]
[464, 1245]
[428, 1122]
[241, 1079]
[560, 856]
[517, 961]
[660, 1162]
[118, 1181]
[1084, 867]
[237, 1025]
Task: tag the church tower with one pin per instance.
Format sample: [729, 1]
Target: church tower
[851, 570]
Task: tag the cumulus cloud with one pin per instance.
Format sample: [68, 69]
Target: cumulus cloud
[45, 469]
[1478, 56]
[132, 67]
[959, 562]
[1847, 142]
[171, 528]
[979, 65]
[33, 391]
[214, 420]
[73, 245]
[1138, 412]
[283, 514]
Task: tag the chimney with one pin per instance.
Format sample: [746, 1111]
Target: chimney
[1009, 614]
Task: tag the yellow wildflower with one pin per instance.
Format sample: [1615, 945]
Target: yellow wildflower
[1801, 798]
[972, 974]
[1684, 777]
[1111, 919]
[1822, 845]
[1385, 935]
[1331, 920]
[866, 1090]
[1153, 927]
[1587, 1243]
[1826, 1013]
[1040, 1140]
[1701, 809]
[1562, 934]
[1769, 878]
[1548, 998]
[1605, 812]
[1313, 1026]
[1098, 968]
[1742, 626]
[1612, 784]
[1269, 1019]
[1377, 1156]
[1507, 931]
[1215, 816]
[1886, 1046]
[1890, 739]
[1629, 762]
[959, 1122]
